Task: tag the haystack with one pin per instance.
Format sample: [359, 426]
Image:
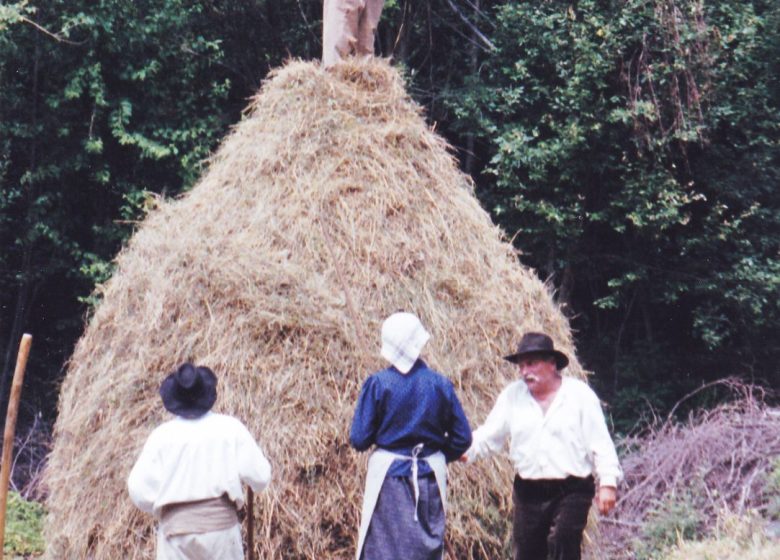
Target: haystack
[330, 206]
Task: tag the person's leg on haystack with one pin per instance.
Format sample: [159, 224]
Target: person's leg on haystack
[369, 19]
[339, 29]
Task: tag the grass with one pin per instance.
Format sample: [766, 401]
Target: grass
[24, 528]
[736, 538]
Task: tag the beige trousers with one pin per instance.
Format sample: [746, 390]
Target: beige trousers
[348, 28]
[215, 545]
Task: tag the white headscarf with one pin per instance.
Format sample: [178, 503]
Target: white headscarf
[403, 338]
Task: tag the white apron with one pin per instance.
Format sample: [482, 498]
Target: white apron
[378, 465]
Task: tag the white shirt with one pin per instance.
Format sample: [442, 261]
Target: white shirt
[186, 460]
[571, 438]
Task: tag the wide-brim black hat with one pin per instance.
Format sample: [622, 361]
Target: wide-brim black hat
[538, 343]
[190, 391]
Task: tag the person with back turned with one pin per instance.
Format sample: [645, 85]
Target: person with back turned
[414, 418]
[190, 471]
[558, 442]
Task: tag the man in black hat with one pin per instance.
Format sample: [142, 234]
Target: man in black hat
[558, 442]
[190, 471]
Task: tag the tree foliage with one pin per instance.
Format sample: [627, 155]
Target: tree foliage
[106, 105]
[631, 150]
[102, 105]
[629, 147]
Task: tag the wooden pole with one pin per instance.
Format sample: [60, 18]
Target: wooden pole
[250, 524]
[10, 429]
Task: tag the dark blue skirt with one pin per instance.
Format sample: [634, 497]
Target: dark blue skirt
[394, 534]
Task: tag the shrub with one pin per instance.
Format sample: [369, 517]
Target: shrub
[24, 526]
[675, 518]
[772, 492]
[736, 538]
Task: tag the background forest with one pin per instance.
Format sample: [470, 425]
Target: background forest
[629, 148]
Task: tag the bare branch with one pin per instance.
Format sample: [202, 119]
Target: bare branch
[477, 33]
[56, 36]
[719, 460]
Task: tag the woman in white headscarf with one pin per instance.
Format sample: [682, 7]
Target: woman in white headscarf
[413, 417]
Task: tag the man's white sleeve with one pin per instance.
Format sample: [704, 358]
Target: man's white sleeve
[605, 459]
[143, 484]
[490, 436]
[253, 468]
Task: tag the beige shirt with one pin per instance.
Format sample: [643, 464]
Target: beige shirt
[190, 460]
[571, 438]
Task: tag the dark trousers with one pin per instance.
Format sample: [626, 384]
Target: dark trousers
[549, 517]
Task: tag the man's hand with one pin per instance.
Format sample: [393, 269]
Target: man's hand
[605, 499]
[463, 458]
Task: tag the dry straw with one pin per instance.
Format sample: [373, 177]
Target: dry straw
[721, 460]
[330, 206]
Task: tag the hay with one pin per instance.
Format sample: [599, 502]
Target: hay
[330, 206]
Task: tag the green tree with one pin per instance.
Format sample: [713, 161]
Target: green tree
[105, 105]
[102, 104]
[631, 149]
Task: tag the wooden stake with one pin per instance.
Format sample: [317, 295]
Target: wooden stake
[250, 524]
[10, 429]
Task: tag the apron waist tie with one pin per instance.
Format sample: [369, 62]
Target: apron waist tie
[414, 458]
[415, 484]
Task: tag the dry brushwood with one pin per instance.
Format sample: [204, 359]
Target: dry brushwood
[718, 461]
[30, 450]
[330, 206]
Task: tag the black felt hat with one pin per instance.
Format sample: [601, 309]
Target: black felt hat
[190, 391]
[538, 343]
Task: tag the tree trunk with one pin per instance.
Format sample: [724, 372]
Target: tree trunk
[565, 290]
[468, 164]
